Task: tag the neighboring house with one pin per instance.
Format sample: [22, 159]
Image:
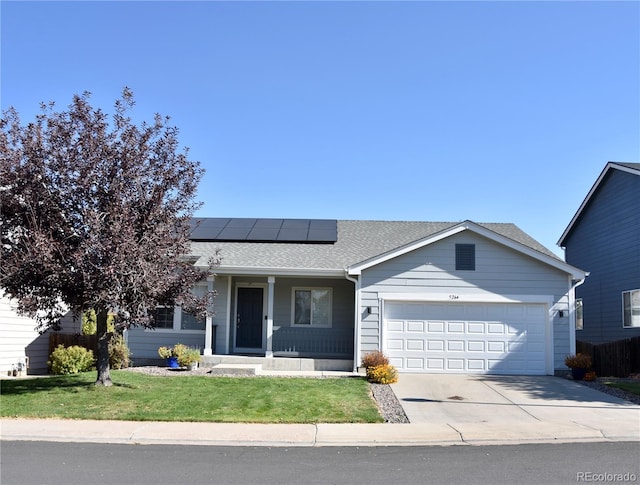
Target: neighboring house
[434, 296]
[21, 343]
[604, 238]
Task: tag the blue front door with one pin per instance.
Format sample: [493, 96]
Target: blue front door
[249, 318]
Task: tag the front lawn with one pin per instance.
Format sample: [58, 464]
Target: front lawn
[632, 387]
[139, 397]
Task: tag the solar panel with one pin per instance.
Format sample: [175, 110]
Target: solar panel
[264, 230]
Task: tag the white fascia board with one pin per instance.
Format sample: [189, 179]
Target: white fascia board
[356, 269]
[263, 271]
[594, 188]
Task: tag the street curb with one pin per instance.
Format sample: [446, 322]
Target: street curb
[292, 435]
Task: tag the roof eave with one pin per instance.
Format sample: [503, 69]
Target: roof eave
[478, 229]
[274, 271]
[609, 166]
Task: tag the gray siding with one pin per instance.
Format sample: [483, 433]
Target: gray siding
[343, 295]
[605, 241]
[336, 341]
[144, 343]
[499, 270]
[221, 314]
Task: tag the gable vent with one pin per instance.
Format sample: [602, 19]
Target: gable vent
[466, 257]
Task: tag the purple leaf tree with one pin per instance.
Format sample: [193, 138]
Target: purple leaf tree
[95, 214]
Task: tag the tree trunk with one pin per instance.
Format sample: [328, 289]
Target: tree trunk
[102, 364]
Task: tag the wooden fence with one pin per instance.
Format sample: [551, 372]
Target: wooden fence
[67, 340]
[615, 359]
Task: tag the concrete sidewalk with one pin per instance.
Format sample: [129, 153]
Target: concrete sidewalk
[492, 410]
[146, 433]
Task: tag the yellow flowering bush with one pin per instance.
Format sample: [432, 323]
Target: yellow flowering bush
[382, 374]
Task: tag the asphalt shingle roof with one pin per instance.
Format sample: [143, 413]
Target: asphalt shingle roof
[357, 241]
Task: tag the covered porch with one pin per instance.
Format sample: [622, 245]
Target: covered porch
[300, 320]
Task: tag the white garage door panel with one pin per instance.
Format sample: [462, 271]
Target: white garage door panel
[479, 338]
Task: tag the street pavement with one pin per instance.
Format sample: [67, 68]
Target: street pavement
[443, 410]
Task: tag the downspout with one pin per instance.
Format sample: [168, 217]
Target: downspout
[572, 312]
[356, 326]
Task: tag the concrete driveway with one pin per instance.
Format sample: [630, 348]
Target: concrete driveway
[493, 407]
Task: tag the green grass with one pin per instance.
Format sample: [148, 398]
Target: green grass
[139, 397]
[632, 387]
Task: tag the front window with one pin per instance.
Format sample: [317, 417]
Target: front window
[190, 322]
[163, 317]
[631, 308]
[312, 307]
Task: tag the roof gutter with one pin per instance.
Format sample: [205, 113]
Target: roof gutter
[304, 272]
[573, 284]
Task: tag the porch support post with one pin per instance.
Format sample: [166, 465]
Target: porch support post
[269, 352]
[356, 320]
[208, 326]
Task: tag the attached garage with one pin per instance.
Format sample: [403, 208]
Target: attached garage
[480, 338]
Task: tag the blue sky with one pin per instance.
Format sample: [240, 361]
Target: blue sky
[438, 111]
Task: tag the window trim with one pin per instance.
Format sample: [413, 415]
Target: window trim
[177, 323]
[311, 289]
[631, 308]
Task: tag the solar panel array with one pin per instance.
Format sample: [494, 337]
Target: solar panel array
[264, 230]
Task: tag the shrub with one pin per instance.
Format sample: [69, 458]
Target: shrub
[71, 360]
[185, 355]
[179, 351]
[165, 352]
[119, 353]
[382, 374]
[578, 361]
[90, 324]
[590, 376]
[374, 359]
[188, 357]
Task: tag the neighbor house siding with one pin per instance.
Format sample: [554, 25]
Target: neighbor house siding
[19, 339]
[499, 271]
[605, 241]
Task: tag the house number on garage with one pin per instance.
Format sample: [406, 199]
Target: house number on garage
[454, 297]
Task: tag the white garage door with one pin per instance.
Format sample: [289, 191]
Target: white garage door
[478, 338]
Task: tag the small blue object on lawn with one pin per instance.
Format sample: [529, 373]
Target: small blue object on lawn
[172, 362]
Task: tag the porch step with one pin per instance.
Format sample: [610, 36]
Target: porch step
[236, 369]
[284, 364]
